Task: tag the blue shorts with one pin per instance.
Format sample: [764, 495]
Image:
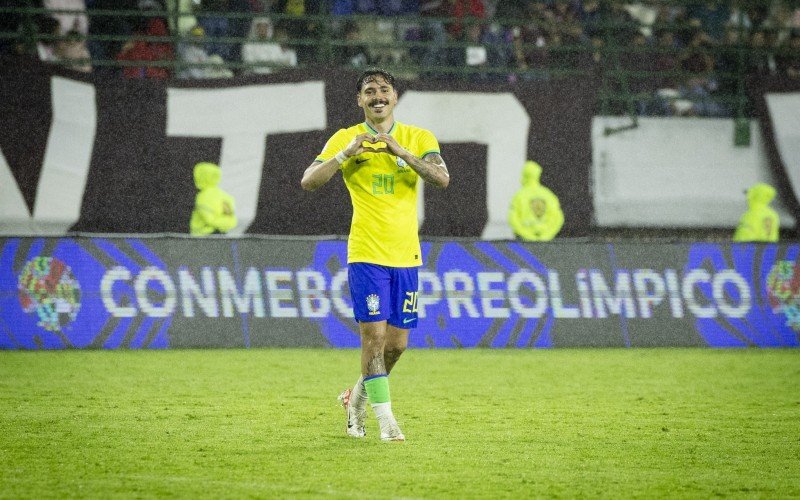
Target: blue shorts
[384, 293]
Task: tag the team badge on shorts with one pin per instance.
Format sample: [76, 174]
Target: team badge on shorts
[373, 304]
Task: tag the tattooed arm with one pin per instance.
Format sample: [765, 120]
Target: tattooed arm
[432, 168]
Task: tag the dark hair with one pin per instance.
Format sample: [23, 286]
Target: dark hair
[370, 74]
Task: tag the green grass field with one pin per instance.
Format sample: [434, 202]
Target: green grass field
[478, 423]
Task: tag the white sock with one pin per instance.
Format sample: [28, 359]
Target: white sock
[358, 397]
[382, 410]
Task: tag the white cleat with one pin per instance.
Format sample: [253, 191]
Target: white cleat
[390, 431]
[355, 417]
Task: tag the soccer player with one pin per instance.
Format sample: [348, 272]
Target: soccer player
[381, 161]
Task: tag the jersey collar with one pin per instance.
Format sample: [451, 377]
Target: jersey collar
[369, 127]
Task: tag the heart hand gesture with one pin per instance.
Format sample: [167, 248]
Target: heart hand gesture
[356, 146]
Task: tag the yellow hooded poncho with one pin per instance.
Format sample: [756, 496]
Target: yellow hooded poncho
[214, 209]
[760, 222]
[535, 213]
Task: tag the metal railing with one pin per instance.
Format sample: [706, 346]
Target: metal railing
[418, 46]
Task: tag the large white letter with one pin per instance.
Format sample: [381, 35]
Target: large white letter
[471, 117]
[147, 275]
[689, 281]
[462, 297]
[614, 301]
[116, 273]
[243, 117]
[313, 302]
[642, 280]
[489, 295]
[735, 279]
[515, 284]
[556, 301]
[206, 296]
[251, 292]
[426, 299]
[65, 168]
[278, 294]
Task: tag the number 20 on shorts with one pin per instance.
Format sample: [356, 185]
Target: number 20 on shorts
[410, 304]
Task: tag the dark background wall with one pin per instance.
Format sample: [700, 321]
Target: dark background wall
[140, 178]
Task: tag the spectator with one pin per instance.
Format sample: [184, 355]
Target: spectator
[215, 26]
[757, 13]
[214, 209]
[114, 26]
[644, 15]
[498, 46]
[535, 213]
[760, 222]
[434, 33]
[197, 62]
[710, 16]
[639, 60]
[739, 15]
[181, 16]
[591, 19]
[762, 59]
[566, 17]
[298, 28]
[75, 20]
[263, 51]
[379, 7]
[354, 54]
[779, 23]
[147, 51]
[695, 95]
[788, 62]
[459, 10]
[474, 56]
[72, 52]
[485, 49]
[379, 37]
[622, 27]
[48, 30]
[666, 59]
[530, 51]
[343, 7]
[148, 10]
[239, 26]
[728, 62]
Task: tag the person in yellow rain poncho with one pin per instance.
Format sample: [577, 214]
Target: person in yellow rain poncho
[535, 213]
[214, 209]
[760, 222]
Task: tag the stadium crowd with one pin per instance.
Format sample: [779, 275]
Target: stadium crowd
[676, 58]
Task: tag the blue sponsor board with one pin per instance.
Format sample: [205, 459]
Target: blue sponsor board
[163, 292]
[50, 294]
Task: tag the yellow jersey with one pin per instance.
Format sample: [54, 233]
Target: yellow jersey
[383, 190]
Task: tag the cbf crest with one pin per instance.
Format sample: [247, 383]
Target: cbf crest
[402, 166]
[373, 304]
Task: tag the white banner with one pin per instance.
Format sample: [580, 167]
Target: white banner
[677, 172]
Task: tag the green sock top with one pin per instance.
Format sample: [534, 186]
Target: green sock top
[377, 387]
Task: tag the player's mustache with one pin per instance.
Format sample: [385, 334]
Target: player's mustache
[378, 101]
